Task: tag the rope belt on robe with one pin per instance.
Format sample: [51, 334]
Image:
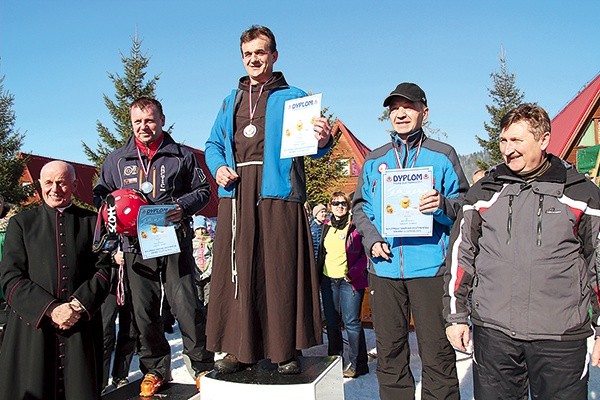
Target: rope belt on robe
[234, 274]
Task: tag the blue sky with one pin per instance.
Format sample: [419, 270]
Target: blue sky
[55, 56]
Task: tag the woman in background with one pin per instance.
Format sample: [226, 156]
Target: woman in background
[343, 265]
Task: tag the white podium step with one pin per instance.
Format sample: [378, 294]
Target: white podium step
[321, 379]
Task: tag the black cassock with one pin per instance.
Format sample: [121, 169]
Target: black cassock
[48, 257]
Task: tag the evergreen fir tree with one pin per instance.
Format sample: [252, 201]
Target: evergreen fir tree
[11, 163]
[323, 174]
[505, 96]
[128, 87]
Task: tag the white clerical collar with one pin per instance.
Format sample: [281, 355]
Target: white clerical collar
[62, 209]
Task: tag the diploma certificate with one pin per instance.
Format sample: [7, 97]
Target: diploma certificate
[402, 191]
[298, 137]
[157, 236]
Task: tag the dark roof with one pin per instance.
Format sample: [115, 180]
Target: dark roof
[568, 122]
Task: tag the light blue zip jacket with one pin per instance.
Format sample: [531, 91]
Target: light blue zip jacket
[282, 178]
[412, 257]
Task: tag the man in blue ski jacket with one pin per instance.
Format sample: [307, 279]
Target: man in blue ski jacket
[406, 273]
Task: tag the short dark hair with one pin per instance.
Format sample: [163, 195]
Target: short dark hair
[254, 32]
[340, 194]
[143, 102]
[534, 115]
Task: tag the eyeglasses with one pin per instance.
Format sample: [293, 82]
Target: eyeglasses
[339, 203]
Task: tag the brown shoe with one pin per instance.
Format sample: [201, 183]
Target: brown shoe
[291, 367]
[120, 382]
[228, 365]
[150, 385]
[350, 373]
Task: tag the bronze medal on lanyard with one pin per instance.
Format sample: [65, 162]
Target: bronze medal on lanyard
[250, 129]
[146, 186]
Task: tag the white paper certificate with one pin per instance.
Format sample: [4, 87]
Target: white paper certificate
[402, 190]
[156, 235]
[298, 136]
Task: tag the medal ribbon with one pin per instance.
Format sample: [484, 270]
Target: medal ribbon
[145, 170]
[252, 110]
[151, 152]
[407, 153]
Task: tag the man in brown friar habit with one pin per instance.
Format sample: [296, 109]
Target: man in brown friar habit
[264, 288]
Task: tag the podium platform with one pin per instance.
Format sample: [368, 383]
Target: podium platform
[321, 379]
[169, 391]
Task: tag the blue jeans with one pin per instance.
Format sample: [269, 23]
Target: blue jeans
[342, 303]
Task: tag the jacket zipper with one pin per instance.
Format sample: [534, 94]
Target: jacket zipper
[539, 222]
[509, 222]
[401, 259]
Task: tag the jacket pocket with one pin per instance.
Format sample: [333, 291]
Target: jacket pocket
[491, 294]
[557, 303]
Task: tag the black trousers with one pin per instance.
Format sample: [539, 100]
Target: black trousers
[506, 368]
[123, 343]
[171, 276]
[392, 301]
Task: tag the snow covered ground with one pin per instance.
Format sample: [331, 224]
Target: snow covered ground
[364, 387]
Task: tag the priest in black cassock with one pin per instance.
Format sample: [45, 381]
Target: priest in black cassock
[54, 285]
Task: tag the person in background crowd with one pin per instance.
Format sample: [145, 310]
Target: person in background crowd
[167, 173]
[477, 175]
[407, 272]
[54, 284]
[202, 244]
[523, 270]
[343, 265]
[319, 213]
[264, 285]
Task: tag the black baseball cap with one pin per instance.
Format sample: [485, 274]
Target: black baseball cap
[410, 91]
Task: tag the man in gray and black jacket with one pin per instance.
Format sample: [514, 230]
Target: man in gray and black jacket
[522, 268]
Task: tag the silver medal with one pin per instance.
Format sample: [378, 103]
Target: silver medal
[342, 236]
[250, 131]
[146, 187]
